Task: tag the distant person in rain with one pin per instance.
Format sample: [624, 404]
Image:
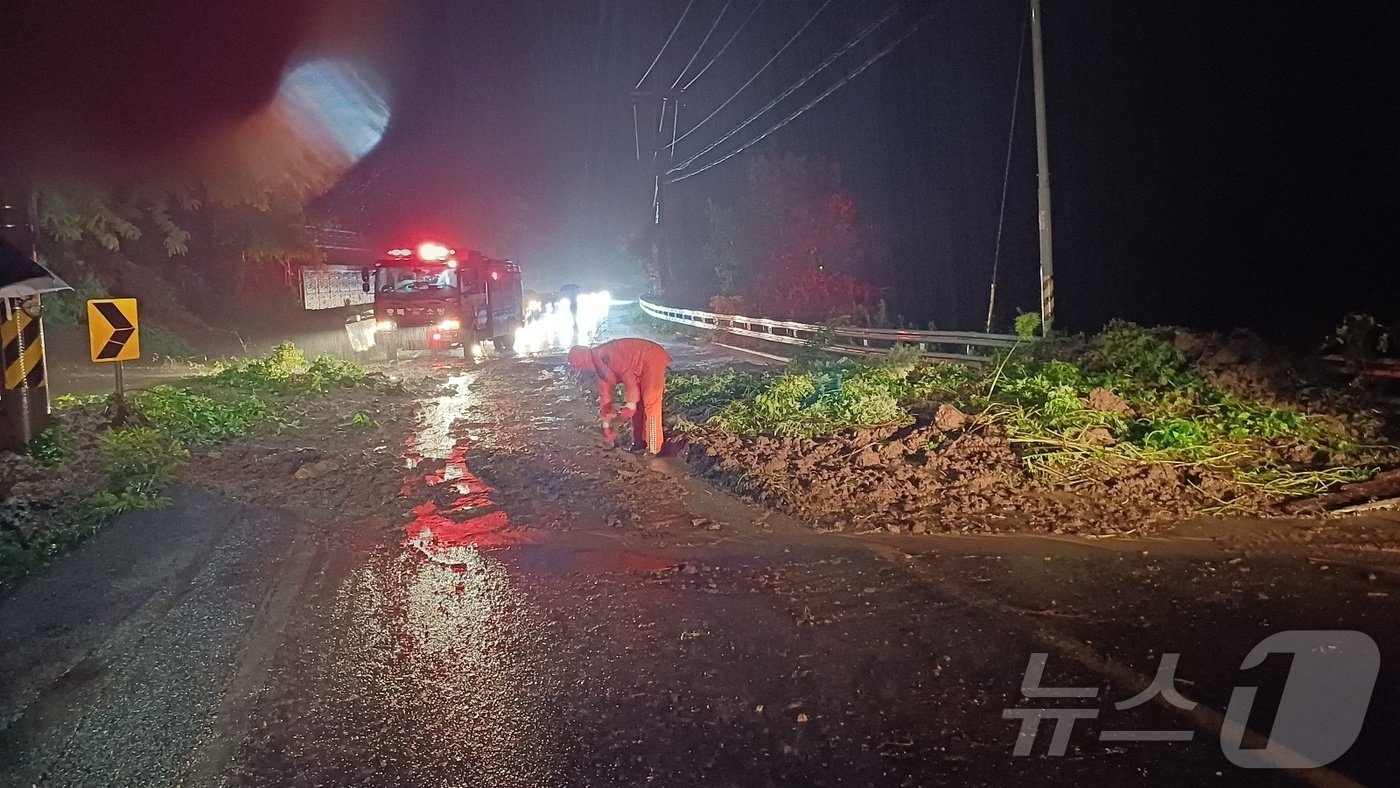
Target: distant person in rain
[570, 293]
[640, 366]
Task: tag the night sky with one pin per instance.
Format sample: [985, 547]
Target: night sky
[1214, 164]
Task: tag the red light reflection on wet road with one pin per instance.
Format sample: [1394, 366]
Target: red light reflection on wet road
[472, 521]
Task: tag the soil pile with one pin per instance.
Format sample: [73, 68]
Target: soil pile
[1244, 364]
[963, 478]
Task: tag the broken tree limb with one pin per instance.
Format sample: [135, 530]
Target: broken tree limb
[1383, 485]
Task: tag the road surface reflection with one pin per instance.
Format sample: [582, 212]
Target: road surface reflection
[450, 646]
[455, 515]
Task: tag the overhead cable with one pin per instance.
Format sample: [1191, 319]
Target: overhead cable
[727, 42]
[1006, 174]
[852, 75]
[861, 36]
[760, 71]
[703, 42]
[667, 43]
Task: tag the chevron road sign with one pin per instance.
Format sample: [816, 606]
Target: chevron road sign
[113, 331]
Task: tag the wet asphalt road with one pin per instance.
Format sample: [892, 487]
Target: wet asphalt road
[533, 612]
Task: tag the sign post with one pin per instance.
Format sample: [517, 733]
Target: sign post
[114, 335]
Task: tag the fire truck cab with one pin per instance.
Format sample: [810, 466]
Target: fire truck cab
[434, 298]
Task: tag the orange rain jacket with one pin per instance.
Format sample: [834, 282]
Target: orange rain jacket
[640, 366]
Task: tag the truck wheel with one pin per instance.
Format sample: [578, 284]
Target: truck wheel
[505, 344]
[468, 340]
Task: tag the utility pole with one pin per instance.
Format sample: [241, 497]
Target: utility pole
[1047, 267]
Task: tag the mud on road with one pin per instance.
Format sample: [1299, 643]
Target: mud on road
[472, 591]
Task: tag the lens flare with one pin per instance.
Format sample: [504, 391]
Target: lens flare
[334, 99]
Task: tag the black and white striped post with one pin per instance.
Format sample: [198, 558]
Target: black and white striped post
[24, 394]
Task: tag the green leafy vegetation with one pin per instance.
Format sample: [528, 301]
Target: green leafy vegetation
[48, 447]
[286, 371]
[140, 461]
[70, 401]
[360, 421]
[198, 420]
[1028, 325]
[1071, 411]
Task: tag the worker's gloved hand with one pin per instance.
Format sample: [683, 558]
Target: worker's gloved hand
[628, 411]
[608, 437]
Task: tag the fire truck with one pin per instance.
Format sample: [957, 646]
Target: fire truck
[431, 297]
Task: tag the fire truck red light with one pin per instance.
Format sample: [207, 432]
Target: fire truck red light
[432, 251]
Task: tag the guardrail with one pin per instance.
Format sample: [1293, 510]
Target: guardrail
[963, 347]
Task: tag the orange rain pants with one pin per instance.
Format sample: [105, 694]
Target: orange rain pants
[640, 366]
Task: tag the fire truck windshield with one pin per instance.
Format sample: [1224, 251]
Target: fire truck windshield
[404, 279]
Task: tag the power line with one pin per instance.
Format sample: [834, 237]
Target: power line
[703, 42]
[1006, 173]
[722, 49]
[794, 88]
[852, 75]
[667, 43]
[761, 69]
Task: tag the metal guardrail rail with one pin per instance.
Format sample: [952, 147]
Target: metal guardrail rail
[963, 347]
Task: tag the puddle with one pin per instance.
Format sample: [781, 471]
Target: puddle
[454, 514]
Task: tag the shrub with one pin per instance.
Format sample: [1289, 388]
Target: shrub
[1028, 325]
[286, 370]
[1143, 355]
[817, 402]
[195, 419]
[139, 461]
[48, 447]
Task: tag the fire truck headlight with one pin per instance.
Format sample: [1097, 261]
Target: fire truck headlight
[450, 324]
[385, 325]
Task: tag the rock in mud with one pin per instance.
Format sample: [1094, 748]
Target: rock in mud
[1101, 399]
[1099, 436]
[313, 470]
[949, 418]
[869, 459]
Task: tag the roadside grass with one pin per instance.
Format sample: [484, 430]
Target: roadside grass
[137, 460]
[1071, 409]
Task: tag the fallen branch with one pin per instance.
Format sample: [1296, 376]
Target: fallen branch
[1384, 503]
[1381, 486]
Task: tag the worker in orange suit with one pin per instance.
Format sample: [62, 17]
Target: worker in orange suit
[640, 366]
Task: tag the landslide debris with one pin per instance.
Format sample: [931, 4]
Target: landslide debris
[85, 469]
[1119, 432]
